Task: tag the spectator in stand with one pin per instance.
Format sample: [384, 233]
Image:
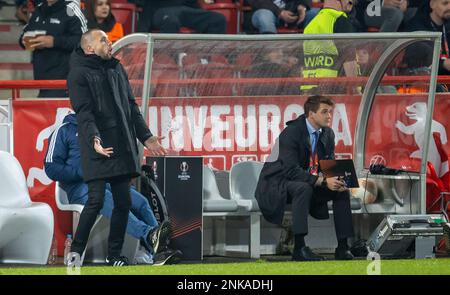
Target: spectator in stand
[323, 58]
[435, 17]
[416, 61]
[273, 63]
[22, 11]
[99, 16]
[62, 23]
[387, 18]
[168, 16]
[270, 14]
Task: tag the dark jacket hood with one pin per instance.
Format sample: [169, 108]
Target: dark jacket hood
[80, 59]
[70, 118]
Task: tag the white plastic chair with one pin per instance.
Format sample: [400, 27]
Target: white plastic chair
[216, 207]
[26, 227]
[97, 246]
[212, 199]
[243, 180]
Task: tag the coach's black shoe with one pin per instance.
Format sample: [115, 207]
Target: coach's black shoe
[117, 261]
[343, 254]
[306, 254]
[159, 237]
[168, 256]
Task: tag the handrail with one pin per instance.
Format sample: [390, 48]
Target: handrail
[17, 85]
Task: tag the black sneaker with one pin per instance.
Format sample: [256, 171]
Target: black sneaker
[168, 256]
[117, 261]
[343, 254]
[159, 238]
[306, 254]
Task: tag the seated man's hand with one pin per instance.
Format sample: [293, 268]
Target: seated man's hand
[403, 5]
[288, 16]
[335, 184]
[153, 145]
[394, 3]
[301, 13]
[41, 42]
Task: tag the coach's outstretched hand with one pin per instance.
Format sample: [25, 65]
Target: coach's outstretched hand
[101, 150]
[153, 145]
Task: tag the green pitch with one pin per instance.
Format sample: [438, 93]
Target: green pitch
[260, 267]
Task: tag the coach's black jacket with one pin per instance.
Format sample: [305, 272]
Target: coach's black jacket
[65, 22]
[292, 165]
[102, 98]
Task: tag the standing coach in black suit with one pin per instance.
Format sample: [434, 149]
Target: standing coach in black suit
[294, 179]
[109, 121]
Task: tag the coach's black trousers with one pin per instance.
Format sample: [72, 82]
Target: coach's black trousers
[120, 188]
[305, 199]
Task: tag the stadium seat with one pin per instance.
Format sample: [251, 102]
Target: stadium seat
[212, 199]
[26, 227]
[164, 67]
[243, 180]
[97, 246]
[288, 30]
[183, 30]
[207, 68]
[217, 207]
[243, 9]
[125, 13]
[229, 10]
[160, 73]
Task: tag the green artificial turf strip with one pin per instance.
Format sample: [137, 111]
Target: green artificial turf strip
[260, 267]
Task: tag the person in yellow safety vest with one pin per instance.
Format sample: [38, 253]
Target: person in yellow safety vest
[321, 57]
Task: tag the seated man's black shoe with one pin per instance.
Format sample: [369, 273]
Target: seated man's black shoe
[305, 254]
[167, 256]
[158, 239]
[343, 254]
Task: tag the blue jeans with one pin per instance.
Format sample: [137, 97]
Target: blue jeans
[141, 219]
[266, 22]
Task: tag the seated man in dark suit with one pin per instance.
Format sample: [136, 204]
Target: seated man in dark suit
[294, 178]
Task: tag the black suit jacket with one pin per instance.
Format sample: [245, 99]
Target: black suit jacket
[291, 165]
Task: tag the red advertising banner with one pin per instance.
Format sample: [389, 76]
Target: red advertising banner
[229, 130]
[225, 131]
[33, 122]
